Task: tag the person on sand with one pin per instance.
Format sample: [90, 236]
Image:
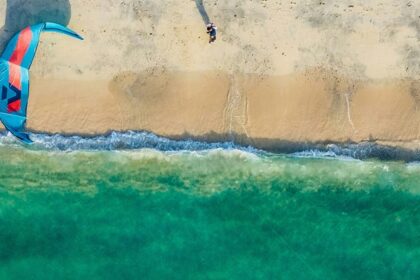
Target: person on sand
[212, 31]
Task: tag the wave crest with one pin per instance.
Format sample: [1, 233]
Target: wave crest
[118, 141]
[132, 140]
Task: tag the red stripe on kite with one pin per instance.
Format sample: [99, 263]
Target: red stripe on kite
[14, 107]
[15, 76]
[22, 46]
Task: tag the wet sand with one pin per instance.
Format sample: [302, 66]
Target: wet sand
[308, 107]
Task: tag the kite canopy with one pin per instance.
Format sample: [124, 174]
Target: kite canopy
[14, 75]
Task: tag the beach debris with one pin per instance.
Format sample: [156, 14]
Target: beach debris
[14, 75]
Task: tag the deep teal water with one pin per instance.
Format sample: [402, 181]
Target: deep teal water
[206, 215]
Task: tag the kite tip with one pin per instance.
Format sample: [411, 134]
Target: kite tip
[77, 36]
[54, 27]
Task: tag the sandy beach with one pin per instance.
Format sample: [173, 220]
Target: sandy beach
[279, 72]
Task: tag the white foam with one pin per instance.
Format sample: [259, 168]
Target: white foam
[130, 140]
[321, 155]
[119, 141]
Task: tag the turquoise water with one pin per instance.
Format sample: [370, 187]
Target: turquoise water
[217, 214]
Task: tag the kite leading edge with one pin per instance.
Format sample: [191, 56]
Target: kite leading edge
[14, 75]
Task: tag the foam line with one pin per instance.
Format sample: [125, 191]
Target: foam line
[132, 140]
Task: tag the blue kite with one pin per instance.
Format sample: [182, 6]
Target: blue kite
[14, 75]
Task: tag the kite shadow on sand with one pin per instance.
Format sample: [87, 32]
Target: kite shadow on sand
[202, 10]
[22, 13]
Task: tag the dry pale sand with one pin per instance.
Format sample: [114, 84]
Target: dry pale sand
[280, 72]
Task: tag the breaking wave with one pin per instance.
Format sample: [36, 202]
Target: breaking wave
[133, 140]
[119, 141]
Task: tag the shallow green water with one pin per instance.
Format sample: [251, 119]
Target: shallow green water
[208, 215]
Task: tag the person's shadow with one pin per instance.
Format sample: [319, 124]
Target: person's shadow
[202, 10]
[22, 13]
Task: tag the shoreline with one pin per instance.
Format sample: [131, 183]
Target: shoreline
[135, 140]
